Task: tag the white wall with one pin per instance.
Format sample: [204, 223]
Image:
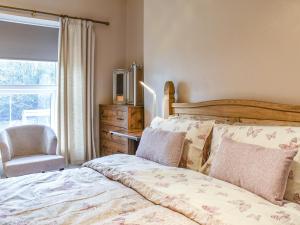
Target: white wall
[134, 31]
[223, 49]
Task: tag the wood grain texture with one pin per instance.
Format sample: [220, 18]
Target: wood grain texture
[169, 99]
[122, 118]
[238, 110]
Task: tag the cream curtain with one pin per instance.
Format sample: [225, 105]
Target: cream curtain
[75, 128]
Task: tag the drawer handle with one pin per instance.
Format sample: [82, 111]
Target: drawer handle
[118, 118]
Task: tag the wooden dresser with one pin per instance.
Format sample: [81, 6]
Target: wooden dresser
[119, 118]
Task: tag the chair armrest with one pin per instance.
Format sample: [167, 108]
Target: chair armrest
[4, 148]
[50, 141]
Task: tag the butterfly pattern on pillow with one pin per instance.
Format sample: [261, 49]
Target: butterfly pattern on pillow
[227, 134]
[293, 145]
[275, 137]
[290, 130]
[271, 136]
[253, 132]
[297, 198]
[196, 134]
[254, 216]
[291, 175]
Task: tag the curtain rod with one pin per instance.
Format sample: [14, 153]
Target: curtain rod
[52, 14]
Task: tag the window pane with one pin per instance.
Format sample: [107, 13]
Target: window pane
[21, 72]
[4, 112]
[23, 109]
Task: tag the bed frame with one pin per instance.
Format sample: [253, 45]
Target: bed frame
[233, 110]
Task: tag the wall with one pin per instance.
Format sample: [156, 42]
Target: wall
[223, 49]
[110, 50]
[134, 31]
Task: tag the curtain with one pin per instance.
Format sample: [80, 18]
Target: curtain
[75, 128]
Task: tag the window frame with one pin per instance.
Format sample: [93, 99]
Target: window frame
[10, 90]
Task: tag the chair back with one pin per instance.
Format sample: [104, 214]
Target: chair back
[26, 140]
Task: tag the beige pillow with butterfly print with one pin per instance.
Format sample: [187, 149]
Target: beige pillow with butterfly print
[278, 137]
[197, 132]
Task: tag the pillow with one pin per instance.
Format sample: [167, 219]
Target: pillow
[260, 170]
[197, 133]
[164, 147]
[275, 137]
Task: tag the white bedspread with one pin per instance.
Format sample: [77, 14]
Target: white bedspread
[139, 192]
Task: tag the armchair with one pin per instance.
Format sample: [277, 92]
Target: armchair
[29, 149]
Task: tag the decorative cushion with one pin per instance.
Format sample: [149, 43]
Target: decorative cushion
[275, 137]
[260, 170]
[197, 132]
[164, 147]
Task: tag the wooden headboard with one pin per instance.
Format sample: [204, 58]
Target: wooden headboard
[233, 110]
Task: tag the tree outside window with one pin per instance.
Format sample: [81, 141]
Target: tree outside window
[27, 92]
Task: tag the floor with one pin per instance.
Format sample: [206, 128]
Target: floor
[1, 171]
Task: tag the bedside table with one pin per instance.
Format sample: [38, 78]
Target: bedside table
[133, 137]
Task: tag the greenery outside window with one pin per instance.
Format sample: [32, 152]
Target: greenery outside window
[27, 92]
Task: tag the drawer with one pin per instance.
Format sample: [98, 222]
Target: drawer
[105, 152]
[115, 116]
[109, 146]
[105, 135]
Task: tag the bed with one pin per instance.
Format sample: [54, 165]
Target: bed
[128, 190]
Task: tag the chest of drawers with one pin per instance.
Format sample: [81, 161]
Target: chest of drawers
[119, 118]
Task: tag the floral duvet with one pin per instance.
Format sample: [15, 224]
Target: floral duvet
[127, 190]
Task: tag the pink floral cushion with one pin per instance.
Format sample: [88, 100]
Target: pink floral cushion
[164, 147]
[274, 137]
[197, 133]
[260, 170]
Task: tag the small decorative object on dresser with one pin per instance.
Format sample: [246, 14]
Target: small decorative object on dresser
[120, 128]
[126, 85]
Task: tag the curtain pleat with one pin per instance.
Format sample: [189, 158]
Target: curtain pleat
[75, 125]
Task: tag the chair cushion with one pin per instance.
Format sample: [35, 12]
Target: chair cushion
[33, 164]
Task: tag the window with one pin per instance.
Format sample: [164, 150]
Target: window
[27, 92]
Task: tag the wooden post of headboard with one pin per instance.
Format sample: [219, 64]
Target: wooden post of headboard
[169, 99]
